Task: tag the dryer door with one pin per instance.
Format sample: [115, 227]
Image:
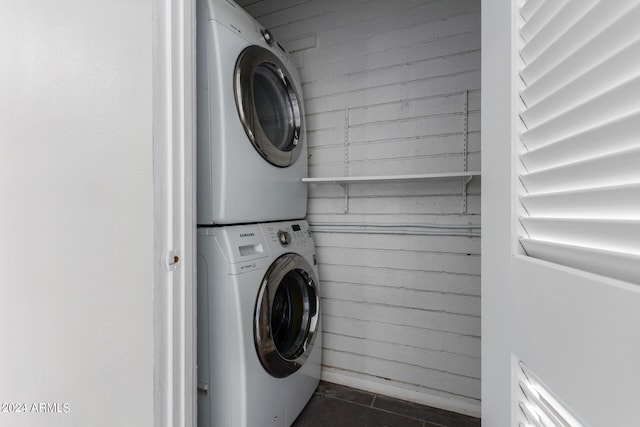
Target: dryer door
[268, 105]
[286, 315]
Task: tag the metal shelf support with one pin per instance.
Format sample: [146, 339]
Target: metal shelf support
[345, 187]
[465, 183]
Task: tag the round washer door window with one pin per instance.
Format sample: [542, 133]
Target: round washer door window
[286, 315]
[268, 105]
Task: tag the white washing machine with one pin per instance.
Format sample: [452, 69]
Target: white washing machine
[259, 333]
[252, 150]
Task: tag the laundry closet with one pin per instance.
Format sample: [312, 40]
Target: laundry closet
[392, 120]
[99, 238]
[381, 117]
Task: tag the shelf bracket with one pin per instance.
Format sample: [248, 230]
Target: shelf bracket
[345, 187]
[465, 181]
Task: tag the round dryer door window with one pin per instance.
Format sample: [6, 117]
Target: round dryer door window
[286, 315]
[268, 105]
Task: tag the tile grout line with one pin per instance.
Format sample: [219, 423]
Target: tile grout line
[350, 402]
[342, 399]
[423, 421]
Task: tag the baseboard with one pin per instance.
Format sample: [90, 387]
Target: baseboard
[401, 393]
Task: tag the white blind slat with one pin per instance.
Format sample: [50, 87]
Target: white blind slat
[592, 27]
[587, 144]
[530, 7]
[541, 401]
[580, 133]
[621, 67]
[608, 43]
[604, 108]
[541, 17]
[617, 265]
[530, 416]
[613, 169]
[619, 202]
[547, 415]
[616, 236]
[557, 25]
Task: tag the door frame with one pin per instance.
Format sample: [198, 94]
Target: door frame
[174, 219]
[498, 129]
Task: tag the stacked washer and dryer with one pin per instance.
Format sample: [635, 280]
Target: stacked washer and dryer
[259, 337]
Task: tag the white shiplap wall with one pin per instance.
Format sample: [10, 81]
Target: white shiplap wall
[388, 87]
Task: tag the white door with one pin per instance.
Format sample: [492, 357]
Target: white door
[561, 212]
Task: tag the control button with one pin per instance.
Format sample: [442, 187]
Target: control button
[284, 237]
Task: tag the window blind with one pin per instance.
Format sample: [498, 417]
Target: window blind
[579, 100]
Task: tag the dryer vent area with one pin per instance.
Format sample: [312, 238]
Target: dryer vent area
[393, 88]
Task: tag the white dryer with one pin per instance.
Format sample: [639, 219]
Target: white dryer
[252, 150]
[259, 333]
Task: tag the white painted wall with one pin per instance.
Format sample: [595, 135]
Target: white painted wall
[76, 210]
[401, 312]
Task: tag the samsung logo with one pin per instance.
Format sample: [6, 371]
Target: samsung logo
[247, 234]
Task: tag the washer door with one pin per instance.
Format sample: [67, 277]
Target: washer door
[268, 105]
[286, 315]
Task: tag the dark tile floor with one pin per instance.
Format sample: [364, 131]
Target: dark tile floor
[334, 405]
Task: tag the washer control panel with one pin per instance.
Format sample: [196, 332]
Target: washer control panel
[289, 234]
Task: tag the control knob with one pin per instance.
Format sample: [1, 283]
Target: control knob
[268, 37]
[284, 237]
